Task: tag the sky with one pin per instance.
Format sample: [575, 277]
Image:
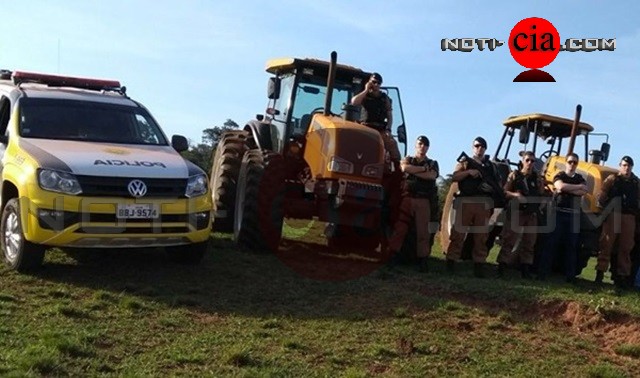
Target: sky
[195, 64]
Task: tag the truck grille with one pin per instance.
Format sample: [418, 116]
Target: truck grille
[95, 186]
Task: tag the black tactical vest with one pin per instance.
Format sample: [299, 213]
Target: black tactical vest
[418, 187]
[527, 185]
[627, 190]
[374, 111]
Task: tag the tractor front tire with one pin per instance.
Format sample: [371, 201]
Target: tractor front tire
[259, 212]
[224, 178]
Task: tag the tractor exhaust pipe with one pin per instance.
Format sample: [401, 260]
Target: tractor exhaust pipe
[330, 82]
[574, 131]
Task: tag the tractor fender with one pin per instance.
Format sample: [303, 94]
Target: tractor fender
[261, 133]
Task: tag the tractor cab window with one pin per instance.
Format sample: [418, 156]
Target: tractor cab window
[396, 106]
[310, 98]
[283, 104]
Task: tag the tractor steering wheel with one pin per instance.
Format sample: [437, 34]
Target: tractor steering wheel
[317, 110]
[547, 154]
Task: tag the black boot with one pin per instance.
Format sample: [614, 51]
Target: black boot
[525, 270]
[423, 265]
[394, 261]
[623, 283]
[502, 267]
[451, 266]
[599, 276]
[478, 270]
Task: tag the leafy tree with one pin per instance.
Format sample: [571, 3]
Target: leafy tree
[201, 154]
[443, 188]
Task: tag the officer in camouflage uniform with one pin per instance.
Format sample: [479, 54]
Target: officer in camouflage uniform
[524, 187]
[621, 191]
[420, 185]
[478, 183]
[377, 113]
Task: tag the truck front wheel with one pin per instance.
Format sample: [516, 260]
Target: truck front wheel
[18, 252]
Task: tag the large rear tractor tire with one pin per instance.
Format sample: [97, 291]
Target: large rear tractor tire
[19, 254]
[224, 178]
[448, 217]
[259, 211]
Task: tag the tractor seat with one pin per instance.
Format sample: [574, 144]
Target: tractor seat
[305, 121]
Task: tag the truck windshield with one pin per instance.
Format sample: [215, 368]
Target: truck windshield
[88, 121]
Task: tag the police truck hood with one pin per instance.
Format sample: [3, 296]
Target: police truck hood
[109, 159]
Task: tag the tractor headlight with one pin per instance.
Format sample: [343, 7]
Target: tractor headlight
[374, 171]
[340, 166]
[61, 182]
[196, 186]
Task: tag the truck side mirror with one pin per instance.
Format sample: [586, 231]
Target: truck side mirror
[523, 137]
[179, 143]
[402, 134]
[605, 150]
[273, 89]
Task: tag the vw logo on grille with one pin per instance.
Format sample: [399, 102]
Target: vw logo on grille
[137, 188]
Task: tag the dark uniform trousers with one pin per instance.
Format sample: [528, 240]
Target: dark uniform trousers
[513, 228]
[416, 209]
[470, 211]
[625, 238]
[391, 146]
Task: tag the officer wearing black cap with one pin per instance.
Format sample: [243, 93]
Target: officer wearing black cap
[376, 112]
[524, 188]
[420, 185]
[478, 184]
[620, 193]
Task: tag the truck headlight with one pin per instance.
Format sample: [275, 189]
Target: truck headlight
[196, 186]
[61, 182]
[340, 165]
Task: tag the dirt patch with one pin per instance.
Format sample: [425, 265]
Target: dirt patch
[318, 262]
[613, 327]
[601, 320]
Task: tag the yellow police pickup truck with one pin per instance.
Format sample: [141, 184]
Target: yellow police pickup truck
[85, 166]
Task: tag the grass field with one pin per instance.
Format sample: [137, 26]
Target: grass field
[304, 313]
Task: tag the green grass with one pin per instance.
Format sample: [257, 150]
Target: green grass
[243, 314]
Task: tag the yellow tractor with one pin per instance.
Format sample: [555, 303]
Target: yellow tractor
[302, 161]
[546, 135]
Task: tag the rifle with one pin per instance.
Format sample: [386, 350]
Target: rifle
[488, 184]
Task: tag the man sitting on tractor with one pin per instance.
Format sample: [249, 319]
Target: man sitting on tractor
[377, 113]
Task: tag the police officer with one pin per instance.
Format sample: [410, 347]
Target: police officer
[377, 113]
[420, 184]
[524, 187]
[622, 191]
[477, 180]
[569, 187]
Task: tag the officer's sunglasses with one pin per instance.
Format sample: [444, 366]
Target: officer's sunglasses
[572, 162]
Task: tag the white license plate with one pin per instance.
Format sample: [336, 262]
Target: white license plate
[137, 211]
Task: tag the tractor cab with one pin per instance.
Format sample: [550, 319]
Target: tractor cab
[546, 136]
[298, 91]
